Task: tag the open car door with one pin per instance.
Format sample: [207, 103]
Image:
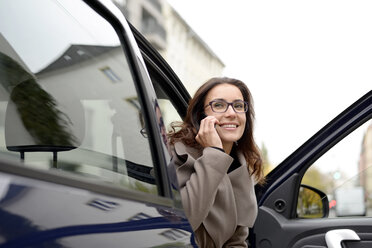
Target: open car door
[320, 196]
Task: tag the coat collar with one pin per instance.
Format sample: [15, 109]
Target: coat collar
[183, 150]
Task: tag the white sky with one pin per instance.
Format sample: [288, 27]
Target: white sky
[304, 61]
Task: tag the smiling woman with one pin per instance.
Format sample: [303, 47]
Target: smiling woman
[217, 163]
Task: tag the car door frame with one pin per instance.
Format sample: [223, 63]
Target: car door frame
[276, 223]
[146, 93]
[159, 67]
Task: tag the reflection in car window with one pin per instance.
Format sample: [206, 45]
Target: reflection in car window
[344, 174]
[168, 113]
[67, 97]
[167, 106]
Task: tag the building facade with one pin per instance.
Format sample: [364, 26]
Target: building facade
[189, 56]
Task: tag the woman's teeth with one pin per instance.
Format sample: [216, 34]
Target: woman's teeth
[228, 126]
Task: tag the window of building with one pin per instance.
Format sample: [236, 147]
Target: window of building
[111, 74]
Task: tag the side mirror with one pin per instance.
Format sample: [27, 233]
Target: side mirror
[312, 203]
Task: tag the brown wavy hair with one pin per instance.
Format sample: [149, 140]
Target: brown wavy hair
[187, 130]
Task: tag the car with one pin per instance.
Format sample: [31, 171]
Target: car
[83, 159]
[85, 102]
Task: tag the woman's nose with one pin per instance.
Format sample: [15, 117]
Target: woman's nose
[230, 110]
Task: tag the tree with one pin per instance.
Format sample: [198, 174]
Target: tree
[265, 160]
[315, 178]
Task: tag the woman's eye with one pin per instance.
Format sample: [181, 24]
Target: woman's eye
[219, 105]
[239, 106]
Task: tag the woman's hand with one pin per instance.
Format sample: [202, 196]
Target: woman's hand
[207, 135]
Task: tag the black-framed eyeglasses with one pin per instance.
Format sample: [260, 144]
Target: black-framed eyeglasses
[221, 106]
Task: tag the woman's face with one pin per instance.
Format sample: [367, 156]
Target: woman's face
[231, 124]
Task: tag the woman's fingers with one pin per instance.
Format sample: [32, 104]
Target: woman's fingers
[207, 135]
[208, 123]
[205, 125]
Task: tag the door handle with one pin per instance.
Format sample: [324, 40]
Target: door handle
[335, 237]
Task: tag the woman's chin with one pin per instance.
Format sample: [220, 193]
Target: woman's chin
[230, 138]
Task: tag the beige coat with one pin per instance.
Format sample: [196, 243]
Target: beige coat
[220, 207]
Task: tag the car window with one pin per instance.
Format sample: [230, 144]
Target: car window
[170, 110]
[170, 114]
[344, 174]
[67, 97]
